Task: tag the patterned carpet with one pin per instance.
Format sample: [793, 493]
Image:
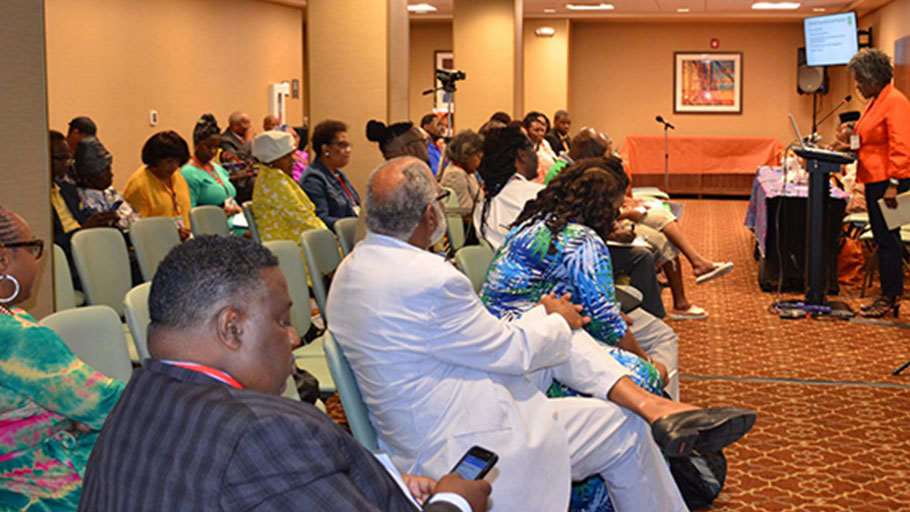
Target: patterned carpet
[833, 432]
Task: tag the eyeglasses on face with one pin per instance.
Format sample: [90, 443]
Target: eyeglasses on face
[36, 247]
[443, 195]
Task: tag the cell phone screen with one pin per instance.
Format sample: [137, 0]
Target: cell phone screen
[470, 467]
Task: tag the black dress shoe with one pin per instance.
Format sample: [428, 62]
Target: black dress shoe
[705, 429]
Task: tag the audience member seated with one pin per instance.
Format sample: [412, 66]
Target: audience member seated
[501, 117]
[301, 158]
[557, 246]
[270, 122]
[282, 210]
[537, 125]
[67, 215]
[209, 183]
[457, 376]
[509, 161]
[156, 189]
[80, 128]
[236, 154]
[398, 139]
[52, 404]
[323, 181]
[465, 152]
[202, 426]
[433, 126]
[95, 178]
[558, 136]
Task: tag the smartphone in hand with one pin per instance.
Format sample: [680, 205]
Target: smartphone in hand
[476, 463]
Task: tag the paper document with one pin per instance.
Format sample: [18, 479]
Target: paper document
[638, 242]
[895, 217]
[395, 474]
[239, 221]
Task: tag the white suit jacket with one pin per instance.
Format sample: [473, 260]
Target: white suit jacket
[440, 374]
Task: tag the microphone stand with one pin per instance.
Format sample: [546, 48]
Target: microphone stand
[667, 157]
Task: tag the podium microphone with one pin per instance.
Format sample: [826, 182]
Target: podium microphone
[835, 109]
[660, 119]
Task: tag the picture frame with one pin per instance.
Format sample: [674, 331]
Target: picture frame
[707, 82]
[443, 59]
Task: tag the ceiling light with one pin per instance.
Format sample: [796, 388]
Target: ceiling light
[421, 8]
[818, 9]
[775, 6]
[682, 9]
[590, 7]
[545, 32]
[549, 11]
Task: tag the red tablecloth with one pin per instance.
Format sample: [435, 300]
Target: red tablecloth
[699, 154]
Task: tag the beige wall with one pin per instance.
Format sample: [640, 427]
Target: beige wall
[546, 67]
[889, 23]
[349, 78]
[621, 77]
[484, 46]
[24, 160]
[116, 60]
[426, 39]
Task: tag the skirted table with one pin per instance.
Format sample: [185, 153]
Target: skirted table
[699, 164]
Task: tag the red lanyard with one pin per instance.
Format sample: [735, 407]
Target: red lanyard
[345, 187]
[208, 370]
[211, 171]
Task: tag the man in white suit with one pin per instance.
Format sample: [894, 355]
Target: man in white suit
[440, 374]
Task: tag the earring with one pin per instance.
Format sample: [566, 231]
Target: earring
[4, 300]
[326, 153]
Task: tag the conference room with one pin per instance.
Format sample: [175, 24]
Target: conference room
[729, 117]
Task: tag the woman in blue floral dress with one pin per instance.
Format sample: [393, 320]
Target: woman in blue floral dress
[557, 245]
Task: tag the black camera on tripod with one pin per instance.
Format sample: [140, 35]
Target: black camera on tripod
[448, 78]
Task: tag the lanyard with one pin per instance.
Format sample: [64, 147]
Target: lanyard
[207, 370]
[211, 171]
[345, 187]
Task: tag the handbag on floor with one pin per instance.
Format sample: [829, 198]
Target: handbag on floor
[699, 477]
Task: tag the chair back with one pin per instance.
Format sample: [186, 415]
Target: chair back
[251, 220]
[474, 261]
[351, 399]
[103, 264]
[320, 249]
[153, 238]
[454, 222]
[344, 230]
[136, 310]
[95, 335]
[64, 293]
[209, 220]
[290, 261]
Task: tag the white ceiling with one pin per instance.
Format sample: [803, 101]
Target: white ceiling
[666, 9]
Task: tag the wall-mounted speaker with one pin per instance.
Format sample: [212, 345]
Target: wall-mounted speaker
[812, 79]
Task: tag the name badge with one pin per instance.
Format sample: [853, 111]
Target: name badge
[854, 142]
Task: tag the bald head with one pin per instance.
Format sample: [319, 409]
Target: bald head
[239, 123]
[398, 192]
[270, 123]
[589, 143]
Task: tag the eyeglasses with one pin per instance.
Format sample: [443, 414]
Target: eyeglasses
[36, 247]
[443, 195]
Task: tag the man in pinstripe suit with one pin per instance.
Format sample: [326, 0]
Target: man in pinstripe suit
[200, 426]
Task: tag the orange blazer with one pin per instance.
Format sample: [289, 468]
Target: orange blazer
[884, 138]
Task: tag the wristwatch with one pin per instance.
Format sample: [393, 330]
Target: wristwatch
[895, 182]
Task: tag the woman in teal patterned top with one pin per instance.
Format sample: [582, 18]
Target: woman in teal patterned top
[557, 245]
[52, 405]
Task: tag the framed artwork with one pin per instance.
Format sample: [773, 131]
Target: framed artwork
[444, 60]
[708, 83]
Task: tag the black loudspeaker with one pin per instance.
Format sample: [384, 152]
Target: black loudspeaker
[810, 79]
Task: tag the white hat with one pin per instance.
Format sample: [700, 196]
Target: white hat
[272, 145]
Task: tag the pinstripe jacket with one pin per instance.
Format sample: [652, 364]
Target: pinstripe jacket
[179, 440]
